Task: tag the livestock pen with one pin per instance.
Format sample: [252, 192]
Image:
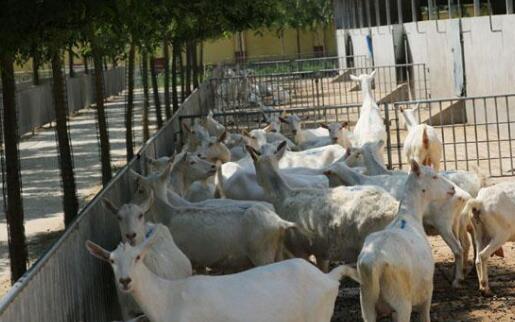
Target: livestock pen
[66, 284]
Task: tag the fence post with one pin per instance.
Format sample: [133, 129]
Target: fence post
[388, 137]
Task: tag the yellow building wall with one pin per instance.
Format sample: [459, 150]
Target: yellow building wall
[269, 43]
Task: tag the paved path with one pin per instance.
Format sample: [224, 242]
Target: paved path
[42, 193]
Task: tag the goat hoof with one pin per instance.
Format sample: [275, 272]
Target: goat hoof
[457, 283]
[486, 292]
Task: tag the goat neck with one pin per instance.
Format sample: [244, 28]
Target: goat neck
[147, 290]
[413, 204]
[366, 93]
[178, 181]
[274, 185]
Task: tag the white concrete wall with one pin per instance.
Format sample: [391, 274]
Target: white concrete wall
[489, 55]
[382, 40]
[340, 47]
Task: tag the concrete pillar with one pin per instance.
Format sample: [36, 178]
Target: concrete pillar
[509, 7]
[477, 8]
[414, 9]
[430, 7]
[369, 13]
[360, 14]
[399, 11]
[388, 13]
[378, 13]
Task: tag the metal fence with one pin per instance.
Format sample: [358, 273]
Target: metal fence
[36, 105]
[67, 284]
[303, 65]
[327, 87]
[476, 131]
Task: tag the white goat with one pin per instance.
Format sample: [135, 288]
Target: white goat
[440, 218]
[157, 184]
[370, 126]
[164, 258]
[289, 291]
[306, 137]
[214, 128]
[194, 136]
[493, 222]
[422, 142]
[395, 280]
[338, 219]
[339, 133]
[232, 237]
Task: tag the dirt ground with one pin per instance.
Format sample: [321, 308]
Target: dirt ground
[450, 305]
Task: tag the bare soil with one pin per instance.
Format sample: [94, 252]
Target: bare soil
[449, 304]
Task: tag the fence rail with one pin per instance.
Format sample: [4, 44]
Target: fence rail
[326, 87]
[36, 105]
[475, 131]
[67, 284]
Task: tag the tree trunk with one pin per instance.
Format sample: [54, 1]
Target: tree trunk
[202, 71]
[114, 62]
[85, 61]
[155, 90]
[176, 52]
[298, 42]
[105, 154]
[166, 55]
[188, 69]
[324, 39]
[194, 64]
[71, 71]
[182, 72]
[35, 67]
[14, 211]
[130, 104]
[144, 79]
[70, 202]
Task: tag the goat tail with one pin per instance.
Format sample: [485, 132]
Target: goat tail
[219, 187]
[341, 271]
[469, 206]
[483, 177]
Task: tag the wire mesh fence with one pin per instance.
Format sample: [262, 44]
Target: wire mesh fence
[477, 131]
[327, 87]
[67, 284]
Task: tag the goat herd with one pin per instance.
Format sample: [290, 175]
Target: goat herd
[258, 210]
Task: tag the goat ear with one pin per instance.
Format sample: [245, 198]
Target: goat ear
[425, 139]
[148, 160]
[136, 176]
[166, 172]
[109, 205]
[281, 149]
[345, 124]
[415, 168]
[210, 114]
[148, 202]
[354, 78]
[245, 132]
[347, 153]
[324, 126]
[222, 137]
[97, 251]
[268, 128]
[253, 153]
[373, 73]
[283, 120]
